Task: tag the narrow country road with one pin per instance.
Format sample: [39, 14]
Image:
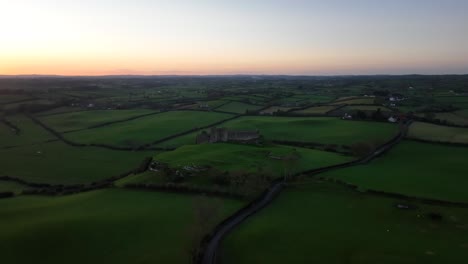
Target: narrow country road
[211, 250]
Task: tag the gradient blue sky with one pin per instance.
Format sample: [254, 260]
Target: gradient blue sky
[231, 37]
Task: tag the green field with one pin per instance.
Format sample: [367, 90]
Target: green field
[30, 132]
[367, 108]
[237, 157]
[147, 129]
[457, 117]
[58, 163]
[85, 119]
[274, 109]
[313, 98]
[457, 101]
[316, 110]
[325, 130]
[431, 132]
[108, 226]
[16, 106]
[353, 100]
[61, 110]
[238, 107]
[414, 169]
[8, 98]
[324, 223]
[9, 186]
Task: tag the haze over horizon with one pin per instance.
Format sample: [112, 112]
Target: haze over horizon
[208, 37]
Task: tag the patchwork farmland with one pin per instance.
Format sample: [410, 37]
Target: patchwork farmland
[233, 170]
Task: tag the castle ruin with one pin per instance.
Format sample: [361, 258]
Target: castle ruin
[227, 135]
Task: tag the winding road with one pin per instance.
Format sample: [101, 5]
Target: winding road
[211, 249]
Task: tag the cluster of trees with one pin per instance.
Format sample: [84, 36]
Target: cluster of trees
[374, 115]
[362, 149]
[6, 194]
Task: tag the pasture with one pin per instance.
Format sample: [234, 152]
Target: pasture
[457, 101]
[316, 110]
[431, 132]
[85, 119]
[273, 109]
[414, 169]
[238, 107]
[237, 157]
[355, 100]
[57, 163]
[319, 222]
[147, 129]
[30, 132]
[325, 130]
[14, 187]
[367, 108]
[107, 226]
[457, 117]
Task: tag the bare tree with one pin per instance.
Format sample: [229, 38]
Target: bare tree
[206, 214]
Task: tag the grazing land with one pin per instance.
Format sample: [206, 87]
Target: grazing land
[338, 225]
[236, 157]
[108, 226]
[29, 132]
[274, 109]
[354, 101]
[456, 118]
[238, 107]
[57, 163]
[316, 110]
[414, 169]
[325, 130]
[437, 133]
[85, 119]
[147, 129]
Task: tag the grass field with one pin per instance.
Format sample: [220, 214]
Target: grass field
[414, 169]
[236, 157]
[274, 109]
[352, 101]
[431, 132]
[367, 108]
[58, 163]
[9, 186]
[325, 130]
[147, 129]
[457, 101]
[30, 132]
[8, 98]
[313, 98]
[18, 105]
[85, 119]
[316, 110]
[324, 223]
[237, 107]
[108, 226]
[457, 118]
[60, 110]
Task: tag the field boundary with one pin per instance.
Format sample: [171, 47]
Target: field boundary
[11, 126]
[423, 200]
[435, 142]
[114, 122]
[75, 144]
[64, 189]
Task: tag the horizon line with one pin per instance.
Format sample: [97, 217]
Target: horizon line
[222, 75]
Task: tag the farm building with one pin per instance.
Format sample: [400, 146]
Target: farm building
[227, 135]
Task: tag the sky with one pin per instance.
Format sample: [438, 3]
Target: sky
[296, 37]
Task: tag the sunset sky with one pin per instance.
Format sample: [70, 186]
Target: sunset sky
[100, 37]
